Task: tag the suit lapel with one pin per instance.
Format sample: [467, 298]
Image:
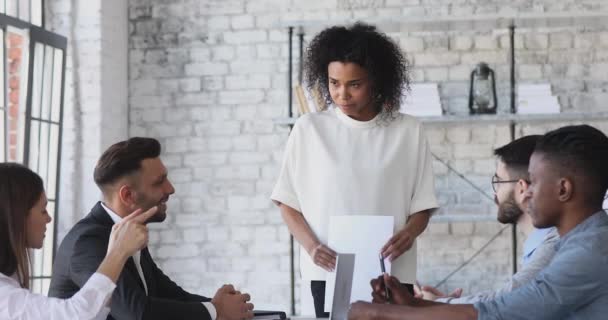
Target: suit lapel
[148, 269]
[100, 216]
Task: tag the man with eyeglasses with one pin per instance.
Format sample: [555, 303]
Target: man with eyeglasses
[510, 183]
[568, 182]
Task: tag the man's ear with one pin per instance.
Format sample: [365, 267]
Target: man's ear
[520, 189]
[126, 195]
[566, 189]
[522, 185]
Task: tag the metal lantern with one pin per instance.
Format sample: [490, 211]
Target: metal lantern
[482, 91]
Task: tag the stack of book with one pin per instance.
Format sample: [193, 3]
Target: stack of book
[536, 99]
[422, 101]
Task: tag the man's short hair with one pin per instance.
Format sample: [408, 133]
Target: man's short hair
[581, 151]
[124, 158]
[516, 154]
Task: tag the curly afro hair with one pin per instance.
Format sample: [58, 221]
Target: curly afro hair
[362, 44]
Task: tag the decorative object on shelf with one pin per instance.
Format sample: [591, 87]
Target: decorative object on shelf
[422, 100]
[536, 99]
[482, 91]
[318, 98]
[302, 101]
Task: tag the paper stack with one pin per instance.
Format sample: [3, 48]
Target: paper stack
[422, 101]
[536, 99]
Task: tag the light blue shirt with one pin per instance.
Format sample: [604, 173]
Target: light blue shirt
[573, 286]
[534, 240]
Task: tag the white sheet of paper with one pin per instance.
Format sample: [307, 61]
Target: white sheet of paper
[364, 236]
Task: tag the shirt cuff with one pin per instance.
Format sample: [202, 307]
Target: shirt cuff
[424, 204]
[211, 308]
[287, 199]
[102, 282]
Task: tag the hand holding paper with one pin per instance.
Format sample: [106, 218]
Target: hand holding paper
[398, 244]
[324, 257]
[404, 239]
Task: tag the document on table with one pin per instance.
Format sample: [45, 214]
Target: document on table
[363, 236]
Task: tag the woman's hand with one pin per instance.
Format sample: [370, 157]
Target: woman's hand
[128, 236]
[323, 257]
[403, 240]
[131, 234]
[398, 244]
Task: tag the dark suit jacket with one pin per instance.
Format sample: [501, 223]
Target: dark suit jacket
[79, 256]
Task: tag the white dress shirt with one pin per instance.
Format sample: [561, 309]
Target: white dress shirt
[90, 302]
[137, 259]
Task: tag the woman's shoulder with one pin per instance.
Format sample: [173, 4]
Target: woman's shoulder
[403, 120]
[315, 118]
[8, 281]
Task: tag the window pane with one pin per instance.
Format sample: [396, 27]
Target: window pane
[37, 81]
[36, 6]
[37, 264]
[36, 286]
[46, 284]
[11, 8]
[53, 162]
[40, 286]
[17, 73]
[24, 10]
[57, 72]
[43, 163]
[34, 158]
[47, 83]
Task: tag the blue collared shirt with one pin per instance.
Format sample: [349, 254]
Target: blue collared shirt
[536, 237]
[573, 286]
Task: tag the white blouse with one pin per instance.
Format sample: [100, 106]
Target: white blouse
[91, 302]
[336, 165]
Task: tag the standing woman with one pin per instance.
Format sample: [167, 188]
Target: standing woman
[361, 157]
[23, 220]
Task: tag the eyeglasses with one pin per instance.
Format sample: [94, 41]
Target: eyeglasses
[496, 180]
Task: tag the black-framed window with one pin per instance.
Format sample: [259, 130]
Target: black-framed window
[31, 88]
[25, 10]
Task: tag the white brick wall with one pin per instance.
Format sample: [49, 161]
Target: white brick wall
[208, 77]
[95, 95]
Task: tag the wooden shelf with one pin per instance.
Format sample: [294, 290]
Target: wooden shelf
[496, 118]
[459, 23]
[447, 218]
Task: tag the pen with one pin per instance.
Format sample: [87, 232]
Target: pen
[383, 269]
